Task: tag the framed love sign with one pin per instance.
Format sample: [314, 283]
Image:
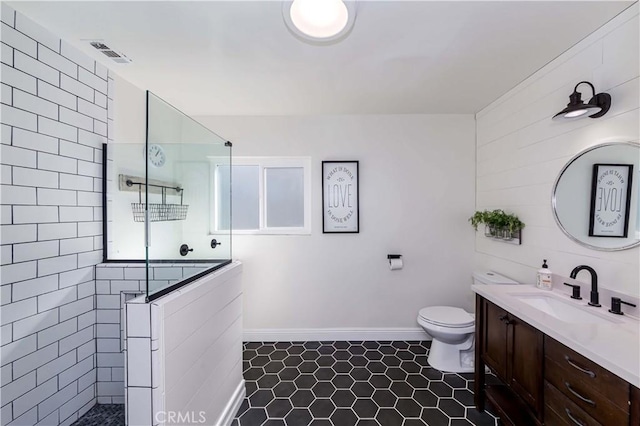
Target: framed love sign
[340, 184]
[610, 200]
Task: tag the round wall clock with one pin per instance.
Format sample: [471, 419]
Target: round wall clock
[156, 155]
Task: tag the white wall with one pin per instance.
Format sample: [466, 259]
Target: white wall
[416, 193]
[54, 122]
[129, 112]
[520, 151]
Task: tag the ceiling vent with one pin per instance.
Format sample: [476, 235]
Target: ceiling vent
[109, 52]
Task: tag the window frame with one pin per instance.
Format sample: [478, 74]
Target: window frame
[263, 163]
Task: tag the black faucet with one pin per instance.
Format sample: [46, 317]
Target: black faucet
[594, 283]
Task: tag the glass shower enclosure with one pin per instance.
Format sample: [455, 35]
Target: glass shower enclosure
[165, 197]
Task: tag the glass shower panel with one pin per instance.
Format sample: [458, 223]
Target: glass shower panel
[181, 196]
[125, 164]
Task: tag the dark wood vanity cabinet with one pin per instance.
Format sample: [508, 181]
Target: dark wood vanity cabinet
[526, 363]
[634, 406]
[579, 391]
[544, 382]
[494, 341]
[513, 350]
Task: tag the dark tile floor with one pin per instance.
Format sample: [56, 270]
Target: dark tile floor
[353, 383]
[340, 384]
[102, 415]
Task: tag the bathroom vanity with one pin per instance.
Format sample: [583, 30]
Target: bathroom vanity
[581, 369]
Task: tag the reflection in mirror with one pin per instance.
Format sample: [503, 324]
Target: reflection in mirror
[600, 213]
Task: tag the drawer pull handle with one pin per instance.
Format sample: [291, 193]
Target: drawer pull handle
[577, 367]
[573, 419]
[577, 395]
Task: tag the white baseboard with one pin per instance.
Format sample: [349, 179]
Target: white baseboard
[332, 334]
[232, 407]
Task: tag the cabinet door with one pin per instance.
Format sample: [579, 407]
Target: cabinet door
[494, 346]
[634, 409]
[526, 359]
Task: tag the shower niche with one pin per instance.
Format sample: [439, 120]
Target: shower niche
[166, 192]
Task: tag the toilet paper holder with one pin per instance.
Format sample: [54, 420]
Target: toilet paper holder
[395, 261]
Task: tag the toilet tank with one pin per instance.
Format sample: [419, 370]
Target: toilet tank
[490, 277]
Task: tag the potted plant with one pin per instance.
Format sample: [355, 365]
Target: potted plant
[514, 224]
[478, 218]
[498, 223]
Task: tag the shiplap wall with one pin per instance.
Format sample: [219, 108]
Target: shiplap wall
[54, 122]
[184, 352]
[520, 152]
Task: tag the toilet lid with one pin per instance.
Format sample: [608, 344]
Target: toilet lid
[447, 316]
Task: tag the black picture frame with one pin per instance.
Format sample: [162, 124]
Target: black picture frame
[610, 200]
[340, 197]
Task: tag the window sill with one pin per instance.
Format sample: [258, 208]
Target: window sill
[266, 232]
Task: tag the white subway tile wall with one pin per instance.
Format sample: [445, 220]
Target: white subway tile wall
[54, 112]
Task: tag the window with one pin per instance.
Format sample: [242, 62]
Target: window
[269, 195]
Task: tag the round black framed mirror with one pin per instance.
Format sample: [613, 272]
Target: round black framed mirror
[596, 197]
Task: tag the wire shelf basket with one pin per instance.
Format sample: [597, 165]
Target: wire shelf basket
[158, 212]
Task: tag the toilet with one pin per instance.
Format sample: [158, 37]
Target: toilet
[453, 330]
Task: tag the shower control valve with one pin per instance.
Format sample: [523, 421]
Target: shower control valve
[184, 250]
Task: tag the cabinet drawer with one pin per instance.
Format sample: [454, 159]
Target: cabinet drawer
[559, 410]
[585, 374]
[585, 396]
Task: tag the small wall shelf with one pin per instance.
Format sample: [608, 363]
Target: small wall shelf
[504, 236]
[154, 212]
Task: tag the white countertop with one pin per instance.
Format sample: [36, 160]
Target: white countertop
[613, 345]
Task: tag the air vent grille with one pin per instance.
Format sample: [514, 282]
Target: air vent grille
[110, 53]
[99, 46]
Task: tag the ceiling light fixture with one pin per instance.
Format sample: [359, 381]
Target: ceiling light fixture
[319, 21]
[598, 105]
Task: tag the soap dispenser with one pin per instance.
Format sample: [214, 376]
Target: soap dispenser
[544, 277]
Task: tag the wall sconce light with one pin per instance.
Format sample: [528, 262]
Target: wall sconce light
[598, 105]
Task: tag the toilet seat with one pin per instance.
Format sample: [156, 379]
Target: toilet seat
[446, 316]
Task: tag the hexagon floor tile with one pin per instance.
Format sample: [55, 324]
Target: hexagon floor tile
[353, 383]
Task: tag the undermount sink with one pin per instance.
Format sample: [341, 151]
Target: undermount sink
[565, 311]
